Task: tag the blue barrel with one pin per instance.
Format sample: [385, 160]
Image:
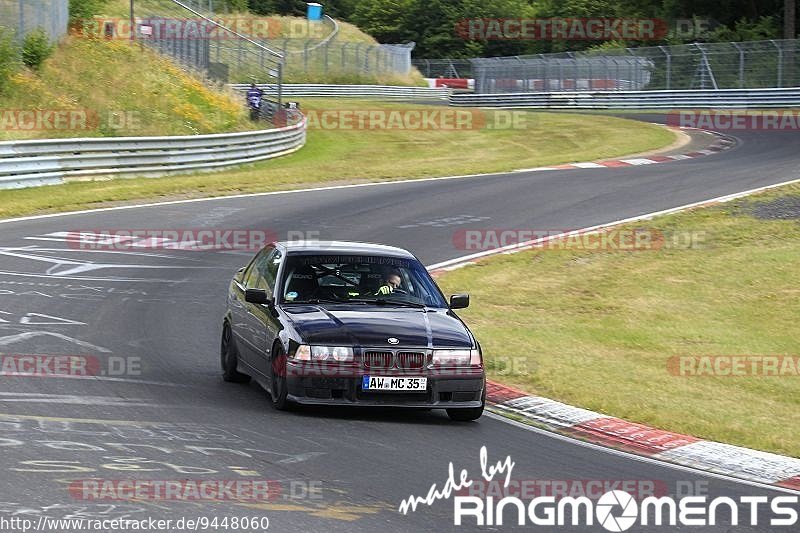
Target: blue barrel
[314, 11]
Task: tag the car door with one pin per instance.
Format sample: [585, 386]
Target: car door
[261, 325]
[240, 317]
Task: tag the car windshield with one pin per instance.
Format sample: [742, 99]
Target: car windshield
[372, 279]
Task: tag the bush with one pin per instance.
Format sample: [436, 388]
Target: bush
[36, 48]
[9, 58]
[84, 9]
[237, 6]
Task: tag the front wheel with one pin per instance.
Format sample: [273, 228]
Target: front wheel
[229, 358]
[279, 390]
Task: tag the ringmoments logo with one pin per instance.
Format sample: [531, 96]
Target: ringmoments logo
[614, 510]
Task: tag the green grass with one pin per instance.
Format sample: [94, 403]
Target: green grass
[115, 81]
[596, 329]
[351, 156]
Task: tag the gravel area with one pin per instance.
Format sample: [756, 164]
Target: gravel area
[785, 208]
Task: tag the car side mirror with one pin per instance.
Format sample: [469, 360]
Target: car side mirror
[256, 296]
[459, 301]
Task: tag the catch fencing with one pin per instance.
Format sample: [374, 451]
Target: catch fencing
[698, 66]
[444, 68]
[689, 99]
[258, 49]
[22, 17]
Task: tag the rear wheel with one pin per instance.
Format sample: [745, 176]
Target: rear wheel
[279, 390]
[469, 414]
[229, 358]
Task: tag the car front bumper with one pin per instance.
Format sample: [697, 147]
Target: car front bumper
[444, 391]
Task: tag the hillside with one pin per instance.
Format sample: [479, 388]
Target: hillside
[119, 90]
[350, 57]
[349, 33]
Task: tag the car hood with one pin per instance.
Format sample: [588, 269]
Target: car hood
[373, 326]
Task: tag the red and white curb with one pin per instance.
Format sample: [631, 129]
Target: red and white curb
[685, 450]
[716, 457]
[720, 144]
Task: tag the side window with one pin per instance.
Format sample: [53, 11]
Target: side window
[254, 277]
[271, 272]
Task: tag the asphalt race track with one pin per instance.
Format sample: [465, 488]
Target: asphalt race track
[339, 470]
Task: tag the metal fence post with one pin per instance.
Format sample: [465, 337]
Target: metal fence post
[21, 32]
[668, 65]
[780, 63]
[741, 64]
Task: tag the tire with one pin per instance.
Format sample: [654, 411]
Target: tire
[229, 358]
[279, 391]
[469, 414]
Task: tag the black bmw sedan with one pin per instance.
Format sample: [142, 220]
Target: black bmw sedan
[343, 323]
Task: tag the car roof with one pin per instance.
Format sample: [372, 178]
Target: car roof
[344, 248]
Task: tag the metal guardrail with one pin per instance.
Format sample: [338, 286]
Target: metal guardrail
[724, 98]
[355, 91]
[49, 162]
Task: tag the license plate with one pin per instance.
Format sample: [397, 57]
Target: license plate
[388, 383]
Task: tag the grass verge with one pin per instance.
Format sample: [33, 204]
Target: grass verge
[597, 329]
[351, 155]
[121, 90]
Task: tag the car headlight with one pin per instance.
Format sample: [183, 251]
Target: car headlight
[456, 357]
[339, 354]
